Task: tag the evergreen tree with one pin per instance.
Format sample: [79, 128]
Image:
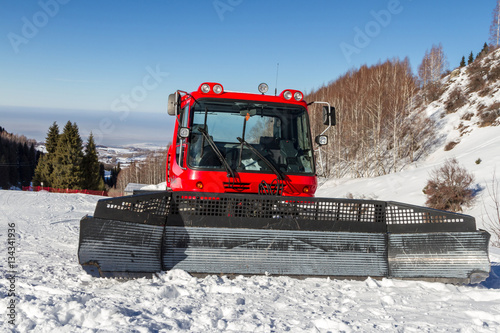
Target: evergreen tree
[24, 169]
[484, 50]
[92, 179]
[68, 170]
[45, 167]
[471, 58]
[43, 172]
[32, 158]
[52, 138]
[462, 62]
[4, 171]
[111, 181]
[13, 165]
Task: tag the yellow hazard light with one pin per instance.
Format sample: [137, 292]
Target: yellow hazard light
[305, 189]
[199, 185]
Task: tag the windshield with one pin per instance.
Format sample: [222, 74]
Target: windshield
[279, 132]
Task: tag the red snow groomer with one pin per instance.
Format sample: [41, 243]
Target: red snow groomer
[240, 199]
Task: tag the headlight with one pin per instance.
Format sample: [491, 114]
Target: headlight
[205, 88]
[321, 140]
[217, 89]
[263, 88]
[287, 94]
[297, 96]
[184, 132]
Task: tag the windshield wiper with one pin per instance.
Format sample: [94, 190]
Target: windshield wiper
[263, 158]
[230, 172]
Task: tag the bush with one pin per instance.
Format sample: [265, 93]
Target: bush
[477, 76]
[456, 100]
[489, 115]
[450, 145]
[494, 74]
[449, 187]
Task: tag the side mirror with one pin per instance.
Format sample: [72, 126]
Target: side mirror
[173, 104]
[329, 117]
[321, 140]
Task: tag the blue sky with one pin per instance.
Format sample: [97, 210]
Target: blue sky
[127, 56]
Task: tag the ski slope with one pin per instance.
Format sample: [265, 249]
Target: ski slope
[53, 293]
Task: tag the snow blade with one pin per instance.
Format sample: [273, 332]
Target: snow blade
[214, 233]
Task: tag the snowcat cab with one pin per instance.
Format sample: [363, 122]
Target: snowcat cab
[240, 200]
[227, 142]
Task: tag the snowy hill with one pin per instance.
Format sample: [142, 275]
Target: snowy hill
[54, 294]
[462, 133]
[39, 232]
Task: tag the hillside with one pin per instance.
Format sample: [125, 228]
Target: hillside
[466, 130]
[55, 294]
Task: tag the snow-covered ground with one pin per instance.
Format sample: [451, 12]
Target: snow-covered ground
[406, 186]
[53, 293]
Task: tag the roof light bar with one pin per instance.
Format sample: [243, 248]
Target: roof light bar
[211, 87]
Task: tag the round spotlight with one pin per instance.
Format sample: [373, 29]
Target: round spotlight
[184, 132]
[205, 88]
[298, 96]
[217, 89]
[287, 94]
[263, 88]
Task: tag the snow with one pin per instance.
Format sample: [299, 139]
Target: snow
[54, 294]
[406, 186]
[153, 187]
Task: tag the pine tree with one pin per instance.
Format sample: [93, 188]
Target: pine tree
[4, 168]
[92, 179]
[484, 50]
[32, 159]
[52, 138]
[114, 175]
[43, 172]
[462, 62]
[45, 167]
[13, 161]
[24, 168]
[68, 171]
[471, 58]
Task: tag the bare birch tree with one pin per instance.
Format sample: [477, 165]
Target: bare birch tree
[433, 66]
[495, 25]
